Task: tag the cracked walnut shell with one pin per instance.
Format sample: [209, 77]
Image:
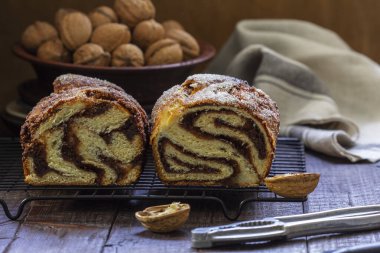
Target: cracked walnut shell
[165, 51]
[297, 185]
[54, 50]
[91, 54]
[36, 34]
[132, 12]
[164, 218]
[75, 29]
[110, 36]
[102, 15]
[188, 44]
[127, 55]
[147, 32]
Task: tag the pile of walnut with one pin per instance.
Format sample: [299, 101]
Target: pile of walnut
[98, 39]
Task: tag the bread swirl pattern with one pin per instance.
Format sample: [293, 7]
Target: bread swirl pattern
[214, 130]
[87, 132]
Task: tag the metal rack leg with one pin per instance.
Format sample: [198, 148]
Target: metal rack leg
[226, 211]
[20, 209]
[233, 217]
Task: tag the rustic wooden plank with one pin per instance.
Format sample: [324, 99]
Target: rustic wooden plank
[128, 235]
[342, 185]
[65, 226]
[87, 226]
[8, 228]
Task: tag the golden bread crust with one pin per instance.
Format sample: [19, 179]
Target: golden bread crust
[234, 92]
[216, 90]
[71, 88]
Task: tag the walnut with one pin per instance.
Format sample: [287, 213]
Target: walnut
[54, 50]
[165, 51]
[60, 14]
[132, 12]
[102, 15]
[127, 55]
[164, 218]
[297, 185]
[91, 54]
[188, 44]
[147, 32]
[172, 24]
[111, 35]
[36, 34]
[75, 29]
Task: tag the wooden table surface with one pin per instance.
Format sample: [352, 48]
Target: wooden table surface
[83, 226]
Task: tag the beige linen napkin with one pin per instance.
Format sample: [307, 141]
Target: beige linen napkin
[328, 94]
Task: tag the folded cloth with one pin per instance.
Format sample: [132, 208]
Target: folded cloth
[326, 92]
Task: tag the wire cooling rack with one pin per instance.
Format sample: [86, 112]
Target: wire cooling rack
[290, 158]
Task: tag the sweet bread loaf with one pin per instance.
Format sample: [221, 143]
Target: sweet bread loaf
[87, 132]
[214, 130]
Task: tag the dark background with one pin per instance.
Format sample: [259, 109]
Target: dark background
[357, 21]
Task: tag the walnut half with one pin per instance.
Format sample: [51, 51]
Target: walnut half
[297, 185]
[164, 218]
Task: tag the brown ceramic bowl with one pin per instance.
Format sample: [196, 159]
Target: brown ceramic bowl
[146, 84]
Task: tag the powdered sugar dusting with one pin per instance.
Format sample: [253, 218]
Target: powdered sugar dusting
[221, 90]
[165, 99]
[73, 87]
[69, 81]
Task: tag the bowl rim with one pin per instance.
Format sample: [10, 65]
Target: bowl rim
[207, 52]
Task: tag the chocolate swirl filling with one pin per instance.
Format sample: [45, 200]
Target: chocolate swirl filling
[38, 152]
[70, 142]
[129, 129]
[203, 169]
[69, 151]
[250, 129]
